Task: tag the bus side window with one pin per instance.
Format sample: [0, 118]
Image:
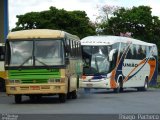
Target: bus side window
[68, 48]
[153, 52]
[147, 51]
[71, 44]
[143, 52]
[74, 48]
[134, 51]
[115, 55]
[129, 54]
[122, 49]
[140, 52]
[79, 49]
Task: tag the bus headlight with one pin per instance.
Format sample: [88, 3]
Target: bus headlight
[56, 80]
[15, 81]
[108, 76]
[51, 80]
[11, 81]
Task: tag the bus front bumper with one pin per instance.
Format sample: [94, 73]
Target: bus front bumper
[36, 89]
[96, 84]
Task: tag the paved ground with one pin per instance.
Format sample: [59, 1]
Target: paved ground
[95, 102]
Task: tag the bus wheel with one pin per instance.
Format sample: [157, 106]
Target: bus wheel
[62, 98]
[32, 98]
[69, 95]
[2, 85]
[18, 98]
[145, 87]
[116, 90]
[74, 94]
[119, 88]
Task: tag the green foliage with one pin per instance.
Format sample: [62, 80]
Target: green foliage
[137, 20]
[74, 22]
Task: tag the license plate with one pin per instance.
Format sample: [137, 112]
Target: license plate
[35, 88]
[90, 85]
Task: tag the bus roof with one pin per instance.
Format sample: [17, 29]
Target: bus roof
[39, 33]
[108, 40]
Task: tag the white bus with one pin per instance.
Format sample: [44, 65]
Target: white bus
[114, 62]
[2, 70]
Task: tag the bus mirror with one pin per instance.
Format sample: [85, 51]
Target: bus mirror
[67, 60]
[151, 57]
[111, 53]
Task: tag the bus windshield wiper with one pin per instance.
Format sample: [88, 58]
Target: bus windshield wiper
[42, 63]
[25, 61]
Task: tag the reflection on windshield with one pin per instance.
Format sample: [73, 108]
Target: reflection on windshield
[50, 52]
[21, 51]
[96, 59]
[46, 53]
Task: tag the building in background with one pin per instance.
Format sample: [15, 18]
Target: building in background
[4, 20]
[3, 35]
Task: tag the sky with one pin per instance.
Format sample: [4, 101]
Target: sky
[20, 7]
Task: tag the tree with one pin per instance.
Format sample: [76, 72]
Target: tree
[74, 22]
[105, 12]
[137, 21]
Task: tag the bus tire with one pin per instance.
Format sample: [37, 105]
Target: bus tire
[62, 98]
[69, 95]
[18, 98]
[120, 87]
[116, 90]
[74, 94]
[145, 87]
[2, 85]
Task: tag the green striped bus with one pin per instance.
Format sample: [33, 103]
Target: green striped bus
[42, 62]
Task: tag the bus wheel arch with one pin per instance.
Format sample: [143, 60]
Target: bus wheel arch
[62, 97]
[120, 85]
[74, 94]
[145, 86]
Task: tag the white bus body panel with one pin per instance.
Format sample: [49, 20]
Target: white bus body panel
[141, 72]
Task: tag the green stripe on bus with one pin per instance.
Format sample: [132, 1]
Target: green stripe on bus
[34, 75]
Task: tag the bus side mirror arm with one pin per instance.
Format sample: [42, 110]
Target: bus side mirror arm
[111, 53]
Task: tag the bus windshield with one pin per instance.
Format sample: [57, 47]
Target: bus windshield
[37, 53]
[96, 60]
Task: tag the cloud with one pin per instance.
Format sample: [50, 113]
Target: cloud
[18, 7]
